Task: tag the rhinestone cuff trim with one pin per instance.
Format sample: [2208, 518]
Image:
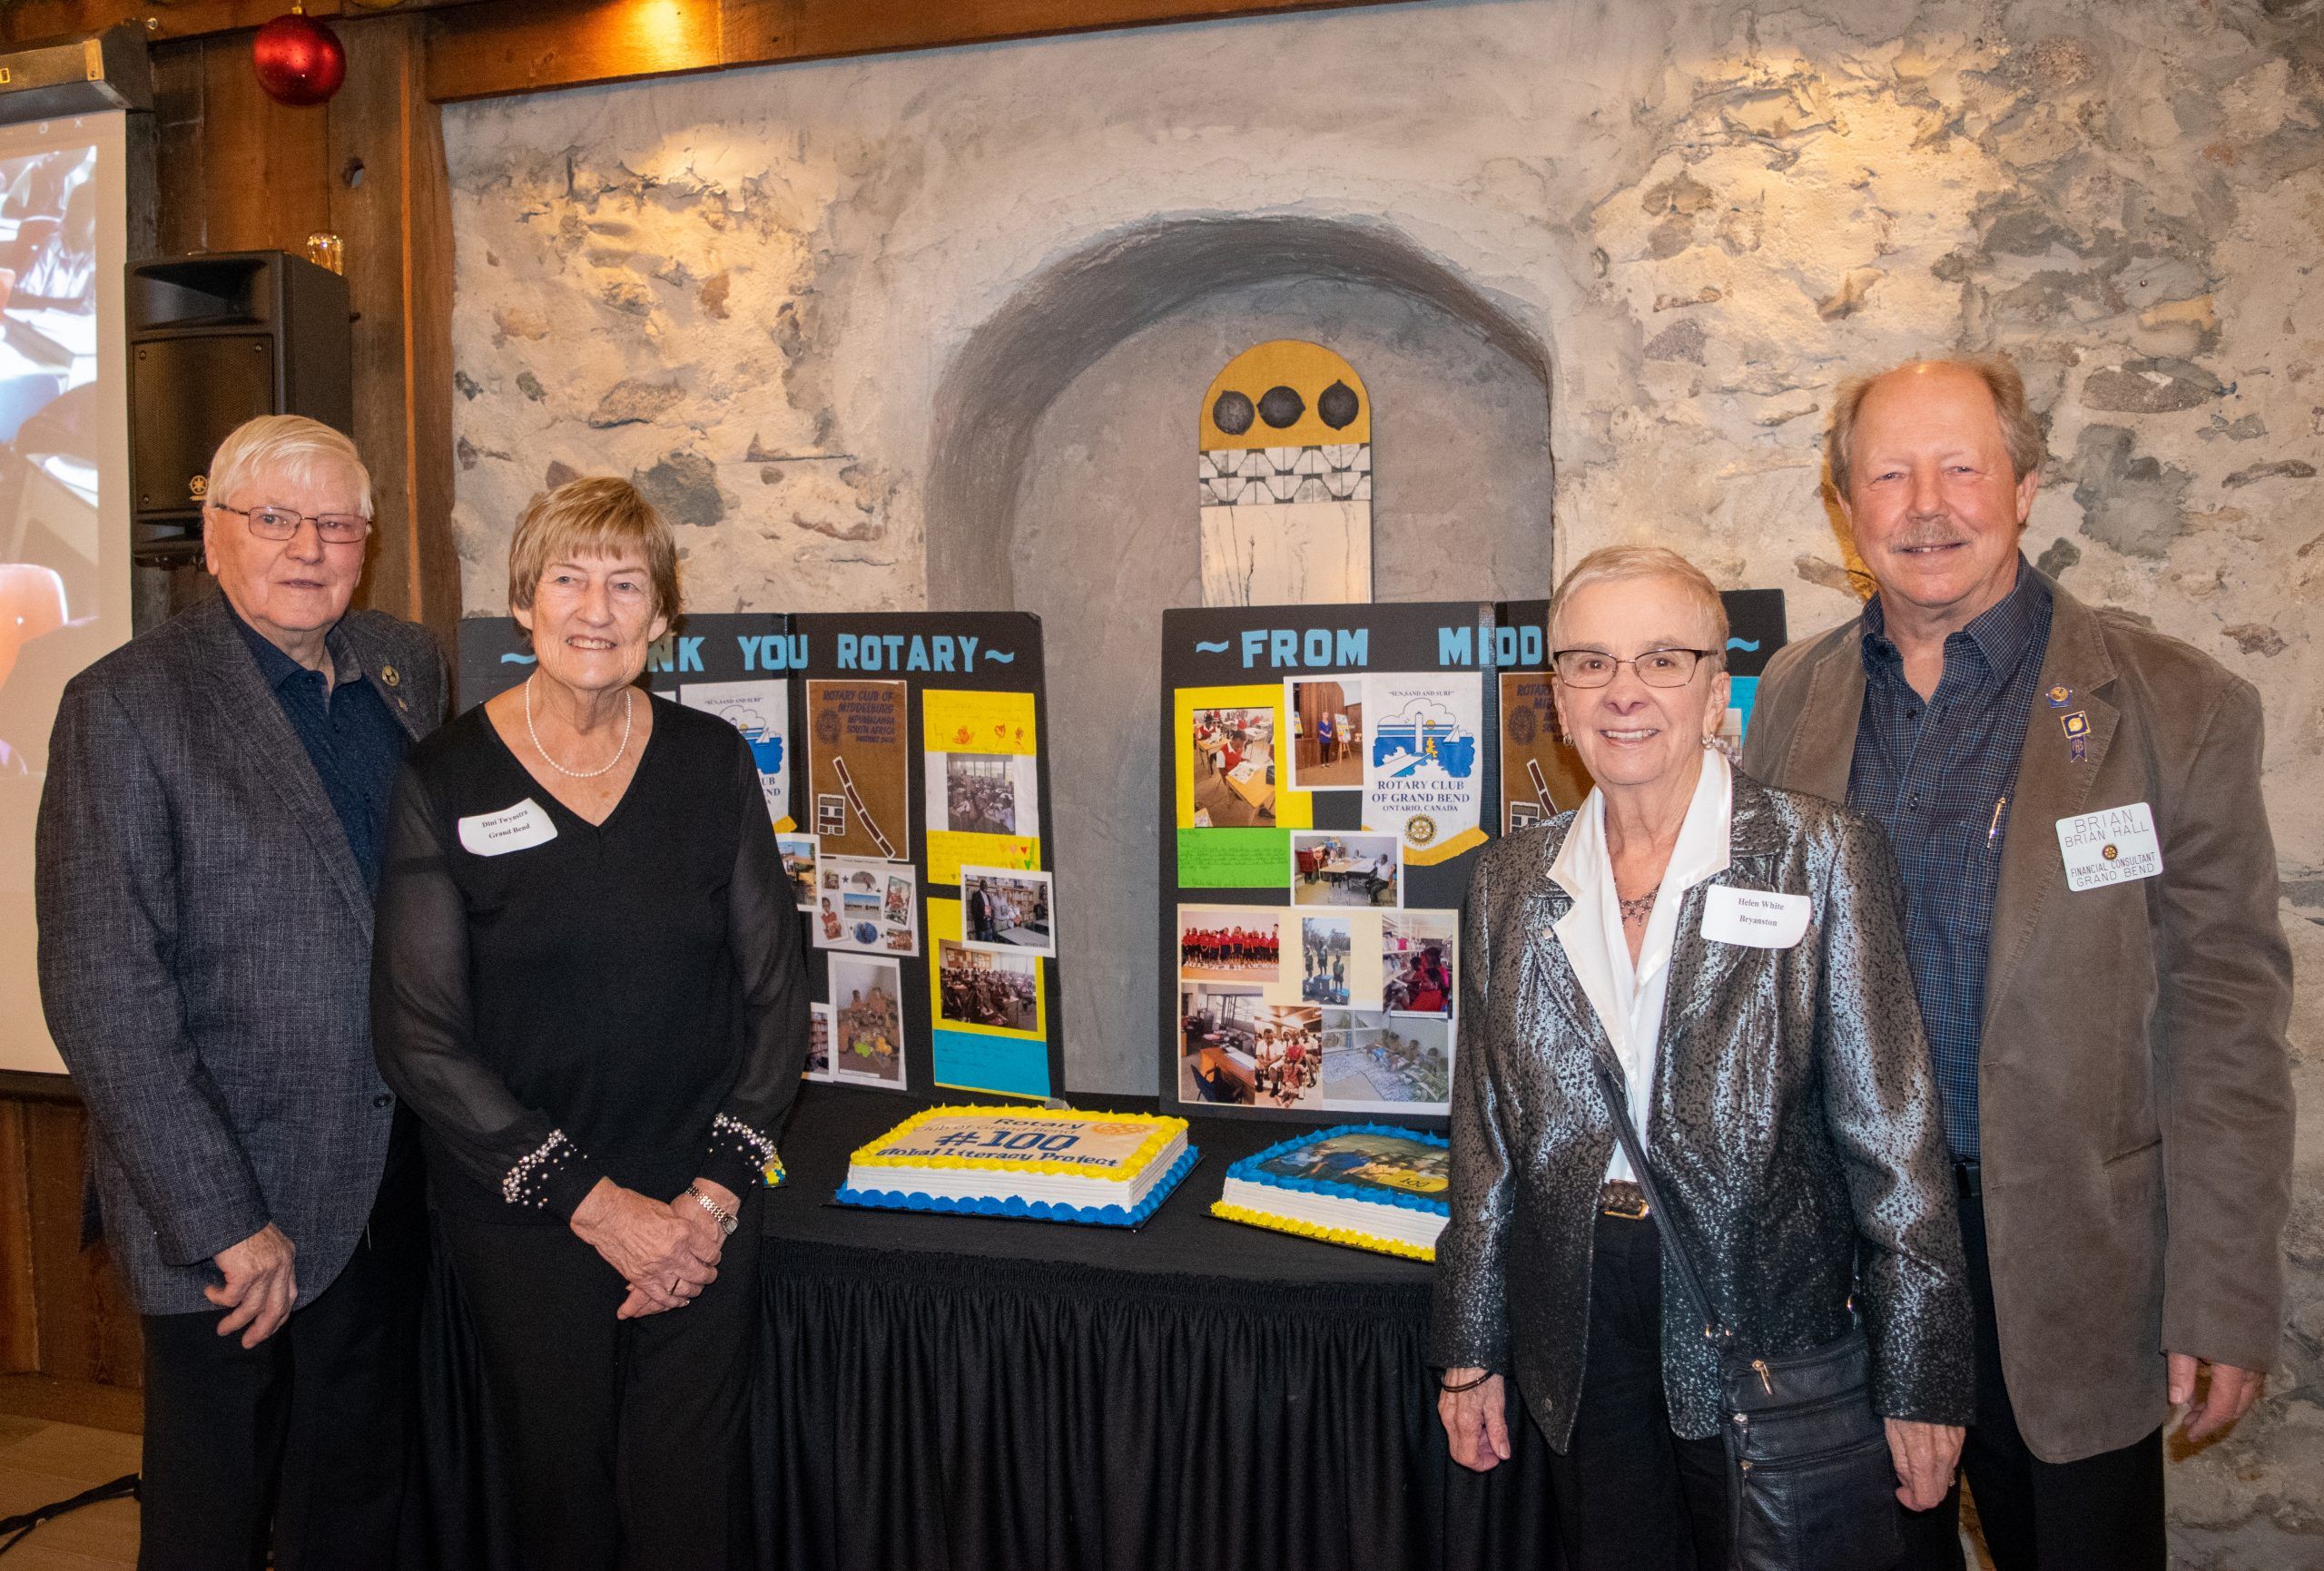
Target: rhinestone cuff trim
[728, 1132]
[527, 1183]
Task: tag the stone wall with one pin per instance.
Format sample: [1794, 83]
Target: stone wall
[774, 296]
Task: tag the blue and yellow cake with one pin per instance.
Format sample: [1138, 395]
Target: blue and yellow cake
[1052, 1165]
[1366, 1185]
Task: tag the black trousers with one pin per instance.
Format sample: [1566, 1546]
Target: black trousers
[2102, 1513]
[622, 1441]
[309, 1434]
[1630, 1495]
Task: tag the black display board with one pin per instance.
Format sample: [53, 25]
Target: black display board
[1211, 658]
[971, 669]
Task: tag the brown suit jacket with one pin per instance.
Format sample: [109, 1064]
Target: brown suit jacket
[2134, 1080]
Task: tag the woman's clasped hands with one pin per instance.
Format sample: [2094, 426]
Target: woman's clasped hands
[667, 1252]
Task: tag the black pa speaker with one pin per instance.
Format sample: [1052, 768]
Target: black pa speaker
[215, 340]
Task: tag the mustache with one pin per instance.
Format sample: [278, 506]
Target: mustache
[1933, 533]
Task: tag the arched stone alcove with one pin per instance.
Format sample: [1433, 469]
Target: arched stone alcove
[1061, 481]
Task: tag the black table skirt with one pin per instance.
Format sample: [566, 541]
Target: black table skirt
[965, 1394]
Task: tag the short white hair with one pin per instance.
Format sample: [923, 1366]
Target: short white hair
[290, 445]
[1613, 564]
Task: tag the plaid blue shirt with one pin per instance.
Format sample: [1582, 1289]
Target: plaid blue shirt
[355, 744]
[1937, 773]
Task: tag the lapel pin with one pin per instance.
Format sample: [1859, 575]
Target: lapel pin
[2076, 725]
[2060, 696]
[388, 674]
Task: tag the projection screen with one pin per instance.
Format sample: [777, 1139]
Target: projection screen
[64, 587]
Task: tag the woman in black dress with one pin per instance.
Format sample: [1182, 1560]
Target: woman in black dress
[590, 986]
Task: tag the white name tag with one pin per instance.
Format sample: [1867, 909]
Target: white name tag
[517, 829]
[2117, 846]
[1760, 918]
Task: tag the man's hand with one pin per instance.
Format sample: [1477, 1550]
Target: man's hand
[1476, 1423]
[1925, 1455]
[2232, 1392]
[261, 1285]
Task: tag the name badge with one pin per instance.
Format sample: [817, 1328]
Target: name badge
[517, 829]
[2115, 846]
[1757, 919]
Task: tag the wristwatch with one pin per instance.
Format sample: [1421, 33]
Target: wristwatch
[726, 1220]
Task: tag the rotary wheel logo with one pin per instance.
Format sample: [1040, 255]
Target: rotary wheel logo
[2111, 852]
[1420, 828]
[197, 488]
[827, 727]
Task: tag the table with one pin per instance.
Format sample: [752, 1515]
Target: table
[1249, 781]
[940, 1393]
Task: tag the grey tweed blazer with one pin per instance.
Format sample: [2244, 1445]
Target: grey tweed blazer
[205, 951]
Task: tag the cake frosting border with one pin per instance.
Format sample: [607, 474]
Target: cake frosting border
[1036, 1211]
[1247, 1170]
[1347, 1236]
[1133, 1164]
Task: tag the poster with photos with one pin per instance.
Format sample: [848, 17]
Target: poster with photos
[761, 710]
[866, 906]
[867, 1022]
[859, 767]
[1325, 1011]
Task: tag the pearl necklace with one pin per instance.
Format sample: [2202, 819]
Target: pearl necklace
[628, 717]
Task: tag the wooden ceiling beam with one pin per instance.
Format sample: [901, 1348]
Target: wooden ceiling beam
[501, 46]
[25, 23]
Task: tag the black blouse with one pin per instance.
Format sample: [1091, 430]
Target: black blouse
[625, 1000]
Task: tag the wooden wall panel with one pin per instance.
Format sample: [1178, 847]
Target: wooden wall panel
[529, 45]
[19, 1306]
[396, 221]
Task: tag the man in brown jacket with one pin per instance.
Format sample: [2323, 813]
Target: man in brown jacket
[2090, 887]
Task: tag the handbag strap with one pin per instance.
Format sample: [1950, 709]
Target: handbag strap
[1618, 1099]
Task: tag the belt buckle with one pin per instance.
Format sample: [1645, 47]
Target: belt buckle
[1622, 1200]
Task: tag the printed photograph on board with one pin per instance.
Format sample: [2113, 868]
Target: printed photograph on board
[1233, 768]
[1009, 911]
[819, 1042]
[1326, 952]
[1287, 1056]
[1001, 992]
[981, 774]
[1218, 1044]
[1379, 1062]
[1326, 718]
[799, 856]
[867, 1022]
[1343, 868]
[1230, 944]
[1416, 962]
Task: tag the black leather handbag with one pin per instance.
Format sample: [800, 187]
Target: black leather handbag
[1810, 1482]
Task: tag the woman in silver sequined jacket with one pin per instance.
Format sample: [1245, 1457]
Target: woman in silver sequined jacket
[1773, 1053]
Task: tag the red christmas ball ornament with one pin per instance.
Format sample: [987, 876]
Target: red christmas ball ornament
[299, 61]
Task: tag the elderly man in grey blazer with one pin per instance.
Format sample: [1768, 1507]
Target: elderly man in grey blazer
[2074, 802]
[209, 842]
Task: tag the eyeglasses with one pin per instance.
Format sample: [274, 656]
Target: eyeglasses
[281, 524]
[1656, 667]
